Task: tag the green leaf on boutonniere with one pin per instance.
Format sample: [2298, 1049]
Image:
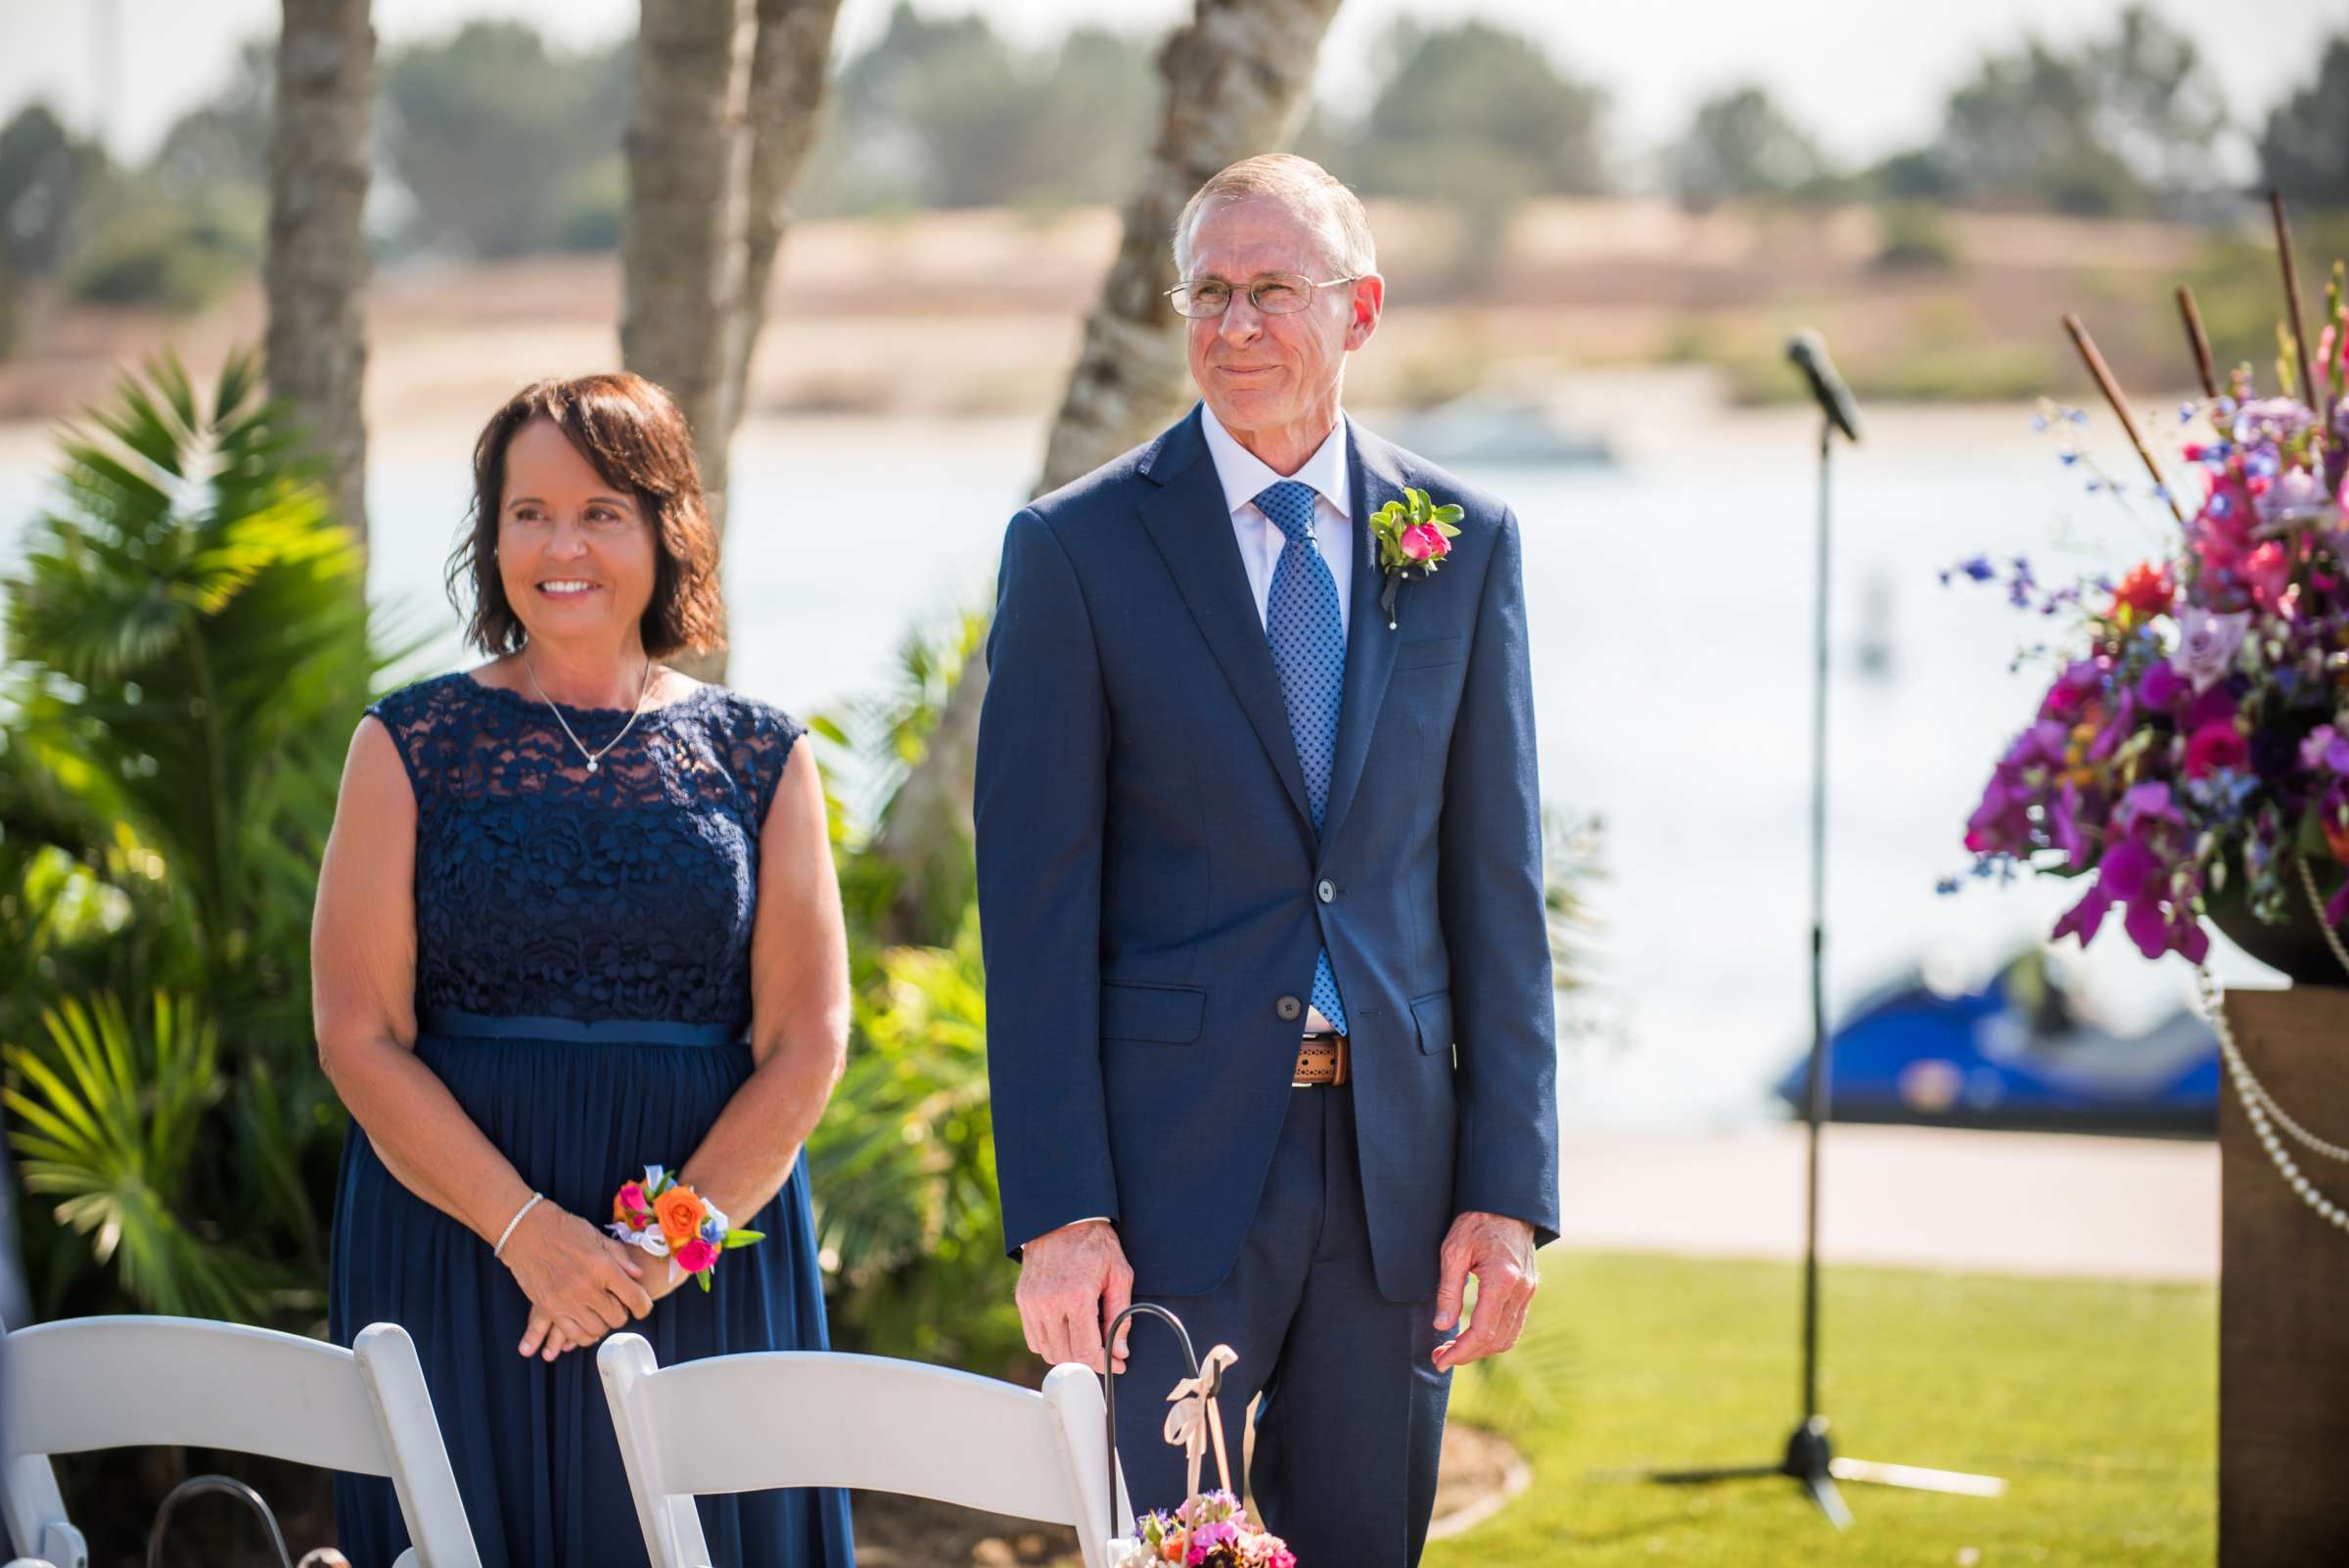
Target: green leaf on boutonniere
[1414, 534]
[741, 1238]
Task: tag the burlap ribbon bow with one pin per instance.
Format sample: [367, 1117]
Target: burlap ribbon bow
[1195, 1421]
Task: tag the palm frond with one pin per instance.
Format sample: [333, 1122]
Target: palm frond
[106, 1124]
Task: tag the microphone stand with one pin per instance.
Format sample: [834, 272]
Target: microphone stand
[1810, 1458]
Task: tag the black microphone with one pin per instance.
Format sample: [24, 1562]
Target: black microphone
[1808, 350]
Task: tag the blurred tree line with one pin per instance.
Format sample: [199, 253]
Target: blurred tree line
[496, 144]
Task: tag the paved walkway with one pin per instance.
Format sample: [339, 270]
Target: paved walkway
[2020, 1203]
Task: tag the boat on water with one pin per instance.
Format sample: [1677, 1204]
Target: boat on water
[2013, 1054]
[1494, 427]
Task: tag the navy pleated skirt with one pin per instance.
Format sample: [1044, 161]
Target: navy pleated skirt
[530, 1441]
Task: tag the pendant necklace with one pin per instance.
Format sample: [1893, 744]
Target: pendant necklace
[595, 758]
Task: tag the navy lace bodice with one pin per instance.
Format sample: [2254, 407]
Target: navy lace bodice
[545, 890]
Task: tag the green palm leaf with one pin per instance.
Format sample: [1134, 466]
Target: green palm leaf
[108, 1124]
[189, 647]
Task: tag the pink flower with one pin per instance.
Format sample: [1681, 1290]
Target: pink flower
[632, 1193]
[2216, 745]
[2071, 690]
[696, 1255]
[1424, 541]
[2267, 572]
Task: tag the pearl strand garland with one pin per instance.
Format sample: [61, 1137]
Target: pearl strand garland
[2258, 1105]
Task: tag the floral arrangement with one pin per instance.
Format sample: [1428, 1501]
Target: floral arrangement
[668, 1219]
[2192, 754]
[1414, 534]
[1212, 1530]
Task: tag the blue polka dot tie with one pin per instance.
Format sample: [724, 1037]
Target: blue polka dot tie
[1309, 652]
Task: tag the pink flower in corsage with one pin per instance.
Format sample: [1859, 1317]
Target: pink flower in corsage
[1414, 534]
[1421, 542]
[668, 1219]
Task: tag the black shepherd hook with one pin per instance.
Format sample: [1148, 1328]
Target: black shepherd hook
[1108, 1386]
[196, 1486]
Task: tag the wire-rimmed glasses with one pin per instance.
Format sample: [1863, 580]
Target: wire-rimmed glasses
[1275, 293]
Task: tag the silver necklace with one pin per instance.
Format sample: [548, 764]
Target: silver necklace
[595, 758]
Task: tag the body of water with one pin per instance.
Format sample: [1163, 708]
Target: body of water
[1669, 606]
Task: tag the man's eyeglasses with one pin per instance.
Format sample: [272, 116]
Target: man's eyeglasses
[1275, 293]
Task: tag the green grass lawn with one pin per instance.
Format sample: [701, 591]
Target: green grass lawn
[2098, 1401]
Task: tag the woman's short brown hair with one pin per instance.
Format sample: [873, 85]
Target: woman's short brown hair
[629, 431]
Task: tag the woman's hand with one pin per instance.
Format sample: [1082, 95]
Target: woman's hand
[581, 1283]
[659, 1281]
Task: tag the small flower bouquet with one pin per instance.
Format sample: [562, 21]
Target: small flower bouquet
[668, 1219]
[2192, 755]
[1212, 1530]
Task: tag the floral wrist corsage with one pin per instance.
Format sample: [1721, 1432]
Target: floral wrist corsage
[670, 1219]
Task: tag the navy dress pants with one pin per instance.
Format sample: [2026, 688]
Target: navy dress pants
[1352, 1419]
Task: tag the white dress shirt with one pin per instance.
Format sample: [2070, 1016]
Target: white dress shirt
[1245, 477]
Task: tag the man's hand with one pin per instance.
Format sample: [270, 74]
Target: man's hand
[1074, 1282]
[1499, 1252]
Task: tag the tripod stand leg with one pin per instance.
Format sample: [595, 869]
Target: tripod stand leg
[1830, 1501]
[1917, 1479]
[1732, 1472]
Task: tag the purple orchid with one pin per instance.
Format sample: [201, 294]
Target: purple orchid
[2325, 749]
[2002, 823]
[2161, 687]
[2138, 871]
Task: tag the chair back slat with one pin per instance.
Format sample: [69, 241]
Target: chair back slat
[112, 1382]
[738, 1423]
[119, 1382]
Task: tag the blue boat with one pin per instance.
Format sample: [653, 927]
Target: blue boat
[2013, 1055]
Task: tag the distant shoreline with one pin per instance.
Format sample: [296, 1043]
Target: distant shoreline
[987, 303]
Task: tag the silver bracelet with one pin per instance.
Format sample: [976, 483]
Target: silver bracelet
[508, 1233]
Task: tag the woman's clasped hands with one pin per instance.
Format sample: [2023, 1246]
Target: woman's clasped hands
[582, 1283]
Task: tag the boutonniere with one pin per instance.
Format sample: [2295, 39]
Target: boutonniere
[1414, 534]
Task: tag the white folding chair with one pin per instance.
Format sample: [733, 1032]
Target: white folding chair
[800, 1418]
[115, 1382]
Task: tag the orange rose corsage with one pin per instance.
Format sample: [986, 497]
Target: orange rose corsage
[668, 1219]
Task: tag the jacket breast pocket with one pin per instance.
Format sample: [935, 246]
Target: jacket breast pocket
[1140, 1010]
[1430, 653]
[1433, 1015]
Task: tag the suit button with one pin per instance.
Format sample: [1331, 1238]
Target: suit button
[1328, 891]
[1289, 1008]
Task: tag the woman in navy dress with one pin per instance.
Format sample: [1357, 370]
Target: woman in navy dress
[578, 917]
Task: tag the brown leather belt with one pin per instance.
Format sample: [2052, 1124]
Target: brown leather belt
[1324, 1060]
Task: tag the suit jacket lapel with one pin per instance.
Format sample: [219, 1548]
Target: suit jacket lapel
[1188, 521]
[1369, 645]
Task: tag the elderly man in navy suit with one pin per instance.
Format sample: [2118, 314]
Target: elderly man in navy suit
[1270, 1013]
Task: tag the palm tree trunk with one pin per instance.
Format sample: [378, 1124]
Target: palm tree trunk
[727, 96]
[1237, 83]
[315, 270]
[789, 67]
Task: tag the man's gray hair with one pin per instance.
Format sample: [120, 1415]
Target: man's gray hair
[1304, 185]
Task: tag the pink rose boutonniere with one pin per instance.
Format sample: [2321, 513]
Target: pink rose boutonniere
[1414, 534]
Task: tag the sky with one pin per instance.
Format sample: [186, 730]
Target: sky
[1867, 77]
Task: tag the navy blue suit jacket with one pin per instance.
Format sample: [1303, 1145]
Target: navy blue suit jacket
[1150, 881]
